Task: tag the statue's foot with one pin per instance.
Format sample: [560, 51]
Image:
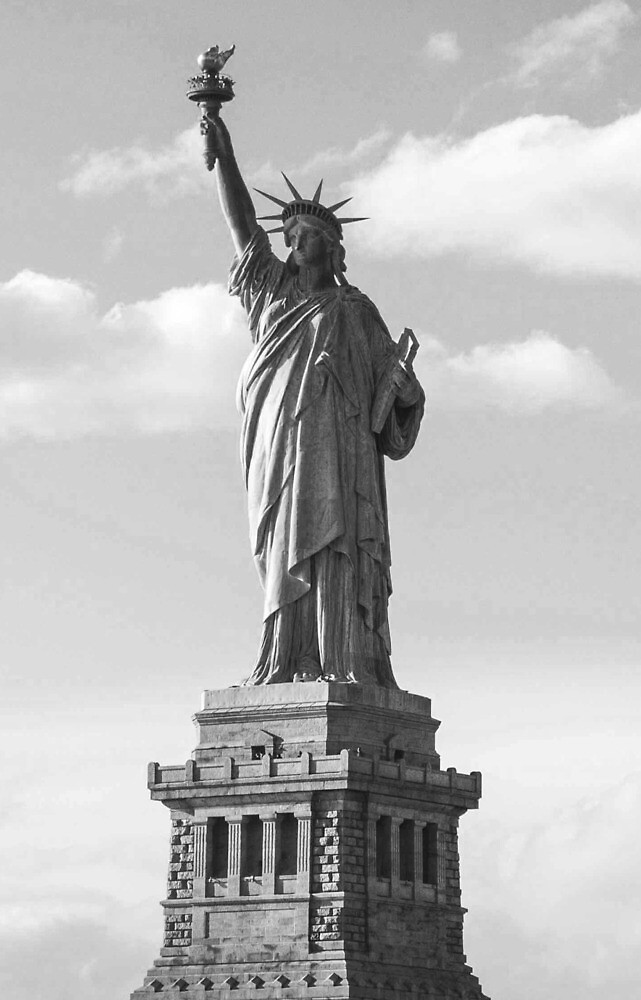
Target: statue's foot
[307, 670]
[303, 676]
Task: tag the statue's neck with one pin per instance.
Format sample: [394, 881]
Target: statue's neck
[315, 279]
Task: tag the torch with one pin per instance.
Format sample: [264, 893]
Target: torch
[209, 90]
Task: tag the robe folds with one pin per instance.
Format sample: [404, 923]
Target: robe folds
[314, 472]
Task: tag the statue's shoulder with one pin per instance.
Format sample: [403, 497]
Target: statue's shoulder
[357, 300]
[257, 266]
[354, 297]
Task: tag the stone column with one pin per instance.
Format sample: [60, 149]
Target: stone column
[200, 857]
[200, 849]
[269, 852]
[303, 850]
[395, 869]
[234, 849]
[200, 876]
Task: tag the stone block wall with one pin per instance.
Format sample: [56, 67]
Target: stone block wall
[326, 842]
[180, 880]
[275, 931]
[449, 860]
[177, 929]
[326, 924]
[338, 865]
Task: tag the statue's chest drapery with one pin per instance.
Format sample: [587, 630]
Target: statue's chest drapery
[304, 341]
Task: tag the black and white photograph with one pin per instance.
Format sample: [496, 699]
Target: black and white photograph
[320, 410]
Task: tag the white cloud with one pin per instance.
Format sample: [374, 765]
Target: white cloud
[443, 46]
[171, 171]
[335, 158]
[547, 192]
[177, 170]
[530, 376]
[170, 364]
[78, 957]
[150, 366]
[563, 899]
[112, 244]
[574, 47]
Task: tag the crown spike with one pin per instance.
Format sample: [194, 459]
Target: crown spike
[339, 204]
[291, 187]
[361, 218]
[280, 229]
[317, 193]
[276, 218]
[277, 201]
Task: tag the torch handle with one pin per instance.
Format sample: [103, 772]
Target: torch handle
[211, 109]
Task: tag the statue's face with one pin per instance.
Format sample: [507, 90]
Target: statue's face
[308, 243]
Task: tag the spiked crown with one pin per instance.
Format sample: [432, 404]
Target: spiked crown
[307, 207]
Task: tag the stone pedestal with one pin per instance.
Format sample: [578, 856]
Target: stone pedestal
[314, 850]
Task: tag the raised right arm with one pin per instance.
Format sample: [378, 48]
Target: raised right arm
[235, 199]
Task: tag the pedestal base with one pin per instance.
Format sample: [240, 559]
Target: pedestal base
[314, 850]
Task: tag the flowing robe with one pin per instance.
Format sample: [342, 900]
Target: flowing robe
[314, 472]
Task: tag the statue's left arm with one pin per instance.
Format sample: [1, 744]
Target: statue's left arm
[405, 384]
[399, 401]
[398, 434]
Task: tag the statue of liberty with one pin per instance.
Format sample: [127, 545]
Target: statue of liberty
[324, 395]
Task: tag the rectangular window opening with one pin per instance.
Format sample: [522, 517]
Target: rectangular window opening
[252, 846]
[430, 853]
[406, 850]
[217, 847]
[383, 847]
[288, 845]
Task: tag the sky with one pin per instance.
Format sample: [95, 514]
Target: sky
[495, 148]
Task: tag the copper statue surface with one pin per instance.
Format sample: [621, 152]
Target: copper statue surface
[325, 395]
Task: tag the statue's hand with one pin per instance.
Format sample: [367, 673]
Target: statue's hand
[406, 385]
[218, 137]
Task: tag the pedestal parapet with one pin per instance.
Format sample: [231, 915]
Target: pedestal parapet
[314, 850]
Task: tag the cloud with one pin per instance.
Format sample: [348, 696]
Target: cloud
[177, 170]
[574, 47]
[171, 364]
[77, 958]
[172, 171]
[527, 377]
[443, 46]
[332, 158]
[167, 364]
[546, 192]
[562, 898]
[112, 244]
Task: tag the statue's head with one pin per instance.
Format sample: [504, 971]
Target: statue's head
[312, 243]
[316, 224]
